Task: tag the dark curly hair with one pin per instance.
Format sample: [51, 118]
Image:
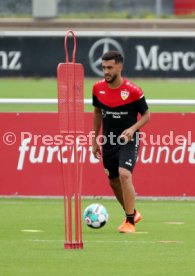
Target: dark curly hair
[113, 55]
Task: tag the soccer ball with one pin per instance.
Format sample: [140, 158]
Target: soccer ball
[95, 215]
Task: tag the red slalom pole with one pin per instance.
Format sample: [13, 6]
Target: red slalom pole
[70, 76]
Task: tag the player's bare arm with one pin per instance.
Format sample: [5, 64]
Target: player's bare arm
[128, 133]
[97, 121]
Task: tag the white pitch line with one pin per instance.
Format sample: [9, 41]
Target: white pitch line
[31, 230]
[140, 232]
[174, 222]
[117, 241]
[171, 241]
[120, 241]
[45, 240]
[100, 241]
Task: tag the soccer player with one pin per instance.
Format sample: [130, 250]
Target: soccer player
[117, 102]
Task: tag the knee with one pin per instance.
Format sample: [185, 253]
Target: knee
[124, 174]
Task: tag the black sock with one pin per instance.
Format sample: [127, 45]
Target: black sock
[130, 218]
[134, 211]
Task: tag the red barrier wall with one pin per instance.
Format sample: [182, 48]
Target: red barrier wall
[184, 7]
[165, 167]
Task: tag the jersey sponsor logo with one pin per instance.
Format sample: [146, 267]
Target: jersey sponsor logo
[102, 92]
[124, 94]
[114, 114]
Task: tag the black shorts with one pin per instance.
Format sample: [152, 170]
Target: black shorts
[124, 156]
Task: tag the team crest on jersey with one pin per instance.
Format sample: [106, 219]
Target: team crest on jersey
[124, 94]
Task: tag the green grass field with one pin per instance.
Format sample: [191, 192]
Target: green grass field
[47, 88]
[163, 245]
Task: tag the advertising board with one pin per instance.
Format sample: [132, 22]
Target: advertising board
[30, 158]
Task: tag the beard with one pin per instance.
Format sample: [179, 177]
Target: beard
[112, 78]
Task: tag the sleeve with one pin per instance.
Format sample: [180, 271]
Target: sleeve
[141, 105]
[137, 93]
[140, 101]
[95, 101]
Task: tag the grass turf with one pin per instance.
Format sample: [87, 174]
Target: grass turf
[47, 88]
[163, 245]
